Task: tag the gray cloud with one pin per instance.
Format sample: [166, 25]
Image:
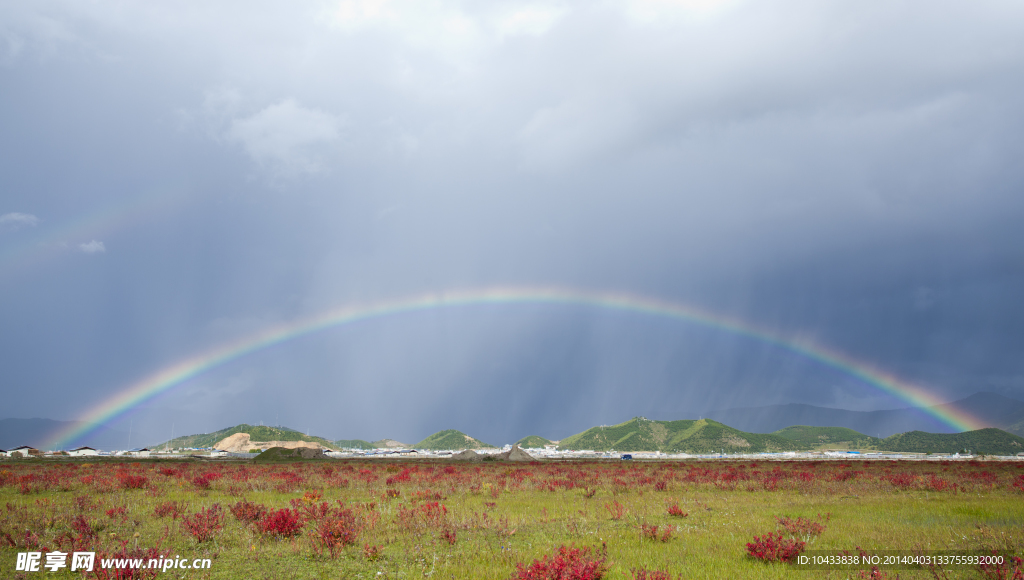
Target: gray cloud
[16, 220]
[283, 134]
[848, 172]
[92, 247]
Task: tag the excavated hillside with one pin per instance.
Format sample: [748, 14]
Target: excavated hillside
[243, 443]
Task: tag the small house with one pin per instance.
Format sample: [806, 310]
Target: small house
[83, 452]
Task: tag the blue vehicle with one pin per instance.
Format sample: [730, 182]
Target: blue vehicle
[626, 456]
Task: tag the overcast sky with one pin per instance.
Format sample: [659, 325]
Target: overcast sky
[177, 175]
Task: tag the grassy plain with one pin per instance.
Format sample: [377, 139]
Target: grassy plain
[440, 519]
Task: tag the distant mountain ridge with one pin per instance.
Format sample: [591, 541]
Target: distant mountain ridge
[255, 432]
[533, 442]
[794, 427]
[683, 436]
[810, 437]
[451, 439]
[992, 409]
[989, 441]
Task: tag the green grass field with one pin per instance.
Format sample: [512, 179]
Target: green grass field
[439, 519]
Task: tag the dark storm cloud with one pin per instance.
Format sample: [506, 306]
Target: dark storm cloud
[847, 172]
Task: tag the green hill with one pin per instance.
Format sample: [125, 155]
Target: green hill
[989, 441]
[533, 442]
[256, 433]
[353, 444]
[827, 437]
[450, 439]
[686, 436]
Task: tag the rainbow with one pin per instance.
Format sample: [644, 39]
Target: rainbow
[169, 377]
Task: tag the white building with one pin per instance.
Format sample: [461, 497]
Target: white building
[83, 452]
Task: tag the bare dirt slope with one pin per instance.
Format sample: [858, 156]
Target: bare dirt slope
[241, 443]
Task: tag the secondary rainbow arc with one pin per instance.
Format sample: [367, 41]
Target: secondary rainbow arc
[176, 374]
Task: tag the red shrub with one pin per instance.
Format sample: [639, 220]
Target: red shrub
[311, 512]
[648, 531]
[203, 525]
[81, 525]
[616, 509]
[129, 481]
[284, 523]
[124, 553]
[938, 484]
[202, 482]
[651, 532]
[845, 475]
[116, 512]
[772, 547]
[804, 527]
[566, 564]
[84, 503]
[985, 477]
[434, 513]
[168, 508]
[1018, 484]
[401, 477]
[448, 535]
[675, 510]
[902, 480]
[423, 495]
[373, 553]
[1012, 568]
[335, 531]
[247, 511]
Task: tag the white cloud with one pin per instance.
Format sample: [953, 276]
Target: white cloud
[93, 247]
[459, 34]
[286, 136]
[16, 220]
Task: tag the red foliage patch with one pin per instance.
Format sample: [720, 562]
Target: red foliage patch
[651, 532]
[373, 553]
[902, 480]
[247, 511]
[804, 527]
[335, 530]
[202, 482]
[773, 547]
[284, 523]
[568, 563]
[168, 508]
[129, 481]
[116, 512]
[203, 525]
[616, 509]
